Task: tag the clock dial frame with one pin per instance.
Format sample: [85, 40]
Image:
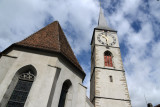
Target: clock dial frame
[101, 39]
[112, 39]
[107, 38]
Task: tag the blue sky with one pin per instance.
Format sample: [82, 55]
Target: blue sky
[137, 23]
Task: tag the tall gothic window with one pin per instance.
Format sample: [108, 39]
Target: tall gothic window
[65, 87]
[21, 90]
[108, 59]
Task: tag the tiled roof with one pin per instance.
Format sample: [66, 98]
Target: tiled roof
[51, 38]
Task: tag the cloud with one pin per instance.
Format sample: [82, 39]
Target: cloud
[19, 19]
[22, 18]
[140, 65]
[141, 62]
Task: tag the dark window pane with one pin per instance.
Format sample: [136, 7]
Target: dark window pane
[64, 91]
[20, 93]
[19, 96]
[15, 104]
[23, 85]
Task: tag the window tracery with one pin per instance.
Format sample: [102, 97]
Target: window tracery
[21, 90]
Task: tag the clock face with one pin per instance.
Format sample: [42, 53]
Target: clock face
[101, 38]
[112, 39]
[107, 38]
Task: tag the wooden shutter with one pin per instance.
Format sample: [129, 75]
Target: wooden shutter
[108, 60]
[105, 60]
[111, 61]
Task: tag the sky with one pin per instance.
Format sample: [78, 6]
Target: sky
[137, 23]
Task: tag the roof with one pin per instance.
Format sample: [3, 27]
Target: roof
[51, 38]
[102, 23]
[157, 105]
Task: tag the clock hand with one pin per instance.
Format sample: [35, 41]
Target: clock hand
[105, 37]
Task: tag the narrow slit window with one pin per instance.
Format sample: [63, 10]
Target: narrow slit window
[108, 59]
[111, 78]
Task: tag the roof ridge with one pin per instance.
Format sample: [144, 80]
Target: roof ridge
[59, 34]
[61, 31]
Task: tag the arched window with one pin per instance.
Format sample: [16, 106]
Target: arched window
[108, 59]
[65, 87]
[21, 90]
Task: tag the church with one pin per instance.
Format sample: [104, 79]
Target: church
[42, 71]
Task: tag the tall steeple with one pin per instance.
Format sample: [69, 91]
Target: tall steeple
[102, 23]
[108, 82]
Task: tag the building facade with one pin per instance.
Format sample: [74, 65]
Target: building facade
[108, 82]
[42, 71]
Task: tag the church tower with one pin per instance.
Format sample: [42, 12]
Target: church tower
[108, 83]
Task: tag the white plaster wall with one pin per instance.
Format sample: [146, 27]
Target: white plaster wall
[67, 74]
[116, 89]
[77, 93]
[46, 67]
[41, 89]
[5, 63]
[45, 75]
[112, 103]
[81, 98]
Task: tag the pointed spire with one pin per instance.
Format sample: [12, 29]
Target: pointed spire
[102, 23]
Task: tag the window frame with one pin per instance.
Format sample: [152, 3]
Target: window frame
[25, 80]
[65, 88]
[14, 82]
[108, 59]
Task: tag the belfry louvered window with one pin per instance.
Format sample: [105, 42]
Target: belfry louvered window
[108, 59]
[21, 90]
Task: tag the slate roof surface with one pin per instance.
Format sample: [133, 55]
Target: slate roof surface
[51, 38]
